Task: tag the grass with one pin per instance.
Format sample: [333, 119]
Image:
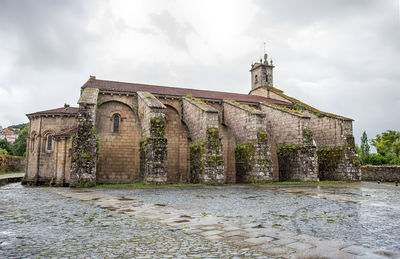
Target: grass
[307, 182]
[145, 185]
[11, 172]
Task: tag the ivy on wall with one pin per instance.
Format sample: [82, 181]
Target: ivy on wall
[250, 156]
[196, 161]
[206, 157]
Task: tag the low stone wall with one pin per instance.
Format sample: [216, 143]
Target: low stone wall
[386, 173]
[12, 163]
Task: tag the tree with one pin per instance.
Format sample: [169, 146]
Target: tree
[387, 143]
[364, 155]
[19, 146]
[5, 147]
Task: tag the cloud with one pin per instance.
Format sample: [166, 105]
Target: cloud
[45, 34]
[340, 56]
[175, 32]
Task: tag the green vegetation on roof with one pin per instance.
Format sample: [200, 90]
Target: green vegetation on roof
[189, 96]
[306, 106]
[242, 105]
[284, 108]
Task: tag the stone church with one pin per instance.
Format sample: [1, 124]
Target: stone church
[129, 132]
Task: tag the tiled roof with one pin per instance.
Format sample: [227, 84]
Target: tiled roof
[66, 132]
[7, 131]
[113, 86]
[59, 111]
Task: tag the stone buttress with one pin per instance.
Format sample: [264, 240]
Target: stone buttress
[206, 159]
[255, 153]
[337, 154]
[297, 154]
[153, 146]
[85, 142]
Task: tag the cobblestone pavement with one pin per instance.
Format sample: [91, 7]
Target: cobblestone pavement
[366, 214]
[37, 223]
[197, 222]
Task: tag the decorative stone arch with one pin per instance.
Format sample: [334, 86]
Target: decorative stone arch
[118, 160]
[127, 100]
[177, 134]
[119, 112]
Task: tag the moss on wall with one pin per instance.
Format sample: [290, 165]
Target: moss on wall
[153, 153]
[84, 149]
[298, 162]
[206, 159]
[338, 163]
[196, 161]
[243, 156]
[157, 127]
[253, 160]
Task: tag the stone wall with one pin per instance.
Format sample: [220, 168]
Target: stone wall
[329, 131]
[41, 163]
[153, 145]
[263, 91]
[296, 154]
[228, 143]
[62, 160]
[199, 117]
[255, 156]
[385, 173]
[206, 155]
[339, 163]
[298, 163]
[254, 161]
[177, 135]
[12, 163]
[85, 142]
[119, 151]
[286, 126]
[149, 107]
[245, 122]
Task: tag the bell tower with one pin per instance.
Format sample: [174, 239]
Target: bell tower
[261, 73]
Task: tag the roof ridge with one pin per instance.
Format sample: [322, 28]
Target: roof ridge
[118, 86]
[173, 87]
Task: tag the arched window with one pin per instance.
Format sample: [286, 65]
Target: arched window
[256, 79]
[116, 120]
[49, 142]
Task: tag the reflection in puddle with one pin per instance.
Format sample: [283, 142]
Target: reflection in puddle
[363, 213]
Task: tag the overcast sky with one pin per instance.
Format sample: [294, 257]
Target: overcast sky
[339, 56]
